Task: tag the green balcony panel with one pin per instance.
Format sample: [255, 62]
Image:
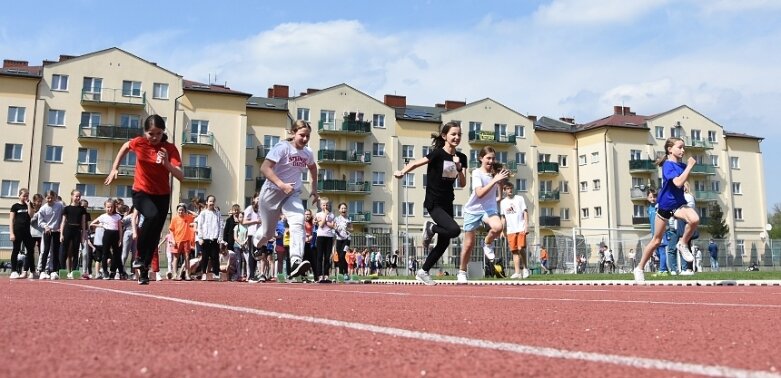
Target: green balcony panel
[547, 167]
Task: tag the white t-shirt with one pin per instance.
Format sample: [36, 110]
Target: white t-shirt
[110, 222]
[486, 203]
[251, 215]
[325, 231]
[513, 209]
[290, 163]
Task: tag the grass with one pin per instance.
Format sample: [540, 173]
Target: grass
[707, 276]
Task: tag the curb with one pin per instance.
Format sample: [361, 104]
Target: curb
[592, 283]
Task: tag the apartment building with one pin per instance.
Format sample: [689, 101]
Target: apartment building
[65, 121]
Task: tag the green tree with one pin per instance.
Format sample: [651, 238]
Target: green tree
[774, 219]
[717, 227]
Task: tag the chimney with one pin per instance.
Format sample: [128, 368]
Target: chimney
[450, 105]
[270, 93]
[311, 90]
[627, 111]
[8, 63]
[567, 119]
[395, 101]
[532, 118]
[441, 106]
[48, 62]
[66, 57]
[618, 110]
[281, 91]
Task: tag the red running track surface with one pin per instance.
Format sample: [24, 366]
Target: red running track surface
[209, 329]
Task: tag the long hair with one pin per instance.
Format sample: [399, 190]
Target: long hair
[156, 121]
[438, 140]
[298, 125]
[667, 145]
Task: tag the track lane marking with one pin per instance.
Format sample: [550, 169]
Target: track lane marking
[635, 362]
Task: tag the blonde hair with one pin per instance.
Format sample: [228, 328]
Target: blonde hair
[298, 125]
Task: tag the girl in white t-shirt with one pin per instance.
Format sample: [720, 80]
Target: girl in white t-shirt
[281, 193]
[111, 224]
[482, 207]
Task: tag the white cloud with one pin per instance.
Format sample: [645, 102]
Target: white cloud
[718, 6]
[586, 12]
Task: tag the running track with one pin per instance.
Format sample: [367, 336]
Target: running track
[209, 329]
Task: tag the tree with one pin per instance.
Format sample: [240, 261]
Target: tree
[774, 219]
[717, 227]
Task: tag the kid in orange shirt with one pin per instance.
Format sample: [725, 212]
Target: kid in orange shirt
[181, 228]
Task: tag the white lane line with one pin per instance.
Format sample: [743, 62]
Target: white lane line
[635, 362]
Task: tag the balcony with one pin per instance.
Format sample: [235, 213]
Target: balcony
[550, 221]
[642, 166]
[697, 144]
[344, 157]
[109, 97]
[262, 152]
[342, 186]
[197, 174]
[102, 168]
[360, 218]
[489, 137]
[706, 196]
[703, 169]
[641, 221]
[351, 127]
[638, 193]
[259, 181]
[547, 168]
[511, 165]
[109, 133]
[198, 140]
[549, 196]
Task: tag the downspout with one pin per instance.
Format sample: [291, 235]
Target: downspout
[173, 140]
[32, 137]
[607, 185]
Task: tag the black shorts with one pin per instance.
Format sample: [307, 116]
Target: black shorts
[666, 214]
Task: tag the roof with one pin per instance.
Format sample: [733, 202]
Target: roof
[26, 71]
[420, 113]
[78, 57]
[554, 125]
[630, 120]
[190, 85]
[267, 103]
[730, 134]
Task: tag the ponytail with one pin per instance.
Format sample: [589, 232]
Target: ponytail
[438, 140]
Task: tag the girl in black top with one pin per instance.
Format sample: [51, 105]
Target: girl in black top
[73, 230]
[445, 167]
[21, 214]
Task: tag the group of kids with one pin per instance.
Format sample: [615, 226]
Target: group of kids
[279, 198]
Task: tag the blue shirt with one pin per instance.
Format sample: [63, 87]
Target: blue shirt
[671, 197]
[713, 249]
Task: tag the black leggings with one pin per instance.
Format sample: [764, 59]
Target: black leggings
[111, 250]
[324, 246]
[210, 250]
[71, 246]
[50, 251]
[154, 208]
[447, 228]
[22, 236]
[340, 244]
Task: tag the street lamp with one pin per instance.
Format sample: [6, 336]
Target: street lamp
[405, 183]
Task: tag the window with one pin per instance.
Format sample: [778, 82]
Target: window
[546, 211]
[425, 212]
[638, 182]
[520, 131]
[47, 186]
[249, 172]
[354, 207]
[270, 141]
[676, 132]
[196, 193]
[659, 133]
[54, 154]
[712, 136]
[474, 126]
[639, 211]
[584, 213]
[325, 174]
[378, 120]
[378, 149]
[738, 213]
[5, 237]
[16, 114]
[500, 129]
[9, 188]
[93, 86]
[583, 186]
[132, 121]
[714, 160]
[249, 142]
[356, 147]
[407, 209]
[598, 212]
[582, 160]
[13, 152]
[594, 157]
[327, 144]
[501, 156]
[544, 157]
[564, 186]
[597, 184]
[86, 189]
[406, 151]
[425, 180]
[634, 154]
[564, 213]
[736, 188]
[734, 162]
[546, 186]
[305, 175]
[59, 82]
[378, 178]
[131, 88]
[327, 118]
[129, 160]
[715, 186]
[562, 160]
[303, 114]
[89, 119]
[695, 134]
[425, 150]
[378, 207]
[703, 212]
[56, 117]
[356, 176]
[520, 185]
[409, 180]
[160, 91]
[125, 191]
[458, 211]
[197, 160]
[198, 127]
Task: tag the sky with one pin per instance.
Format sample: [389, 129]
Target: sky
[555, 58]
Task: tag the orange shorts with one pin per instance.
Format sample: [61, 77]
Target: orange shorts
[182, 247]
[517, 241]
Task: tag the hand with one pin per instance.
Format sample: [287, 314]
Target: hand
[691, 161]
[62, 237]
[398, 174]
[503, 174]
[13, 237]
[200, 242]
[286, 187]
[111, 176]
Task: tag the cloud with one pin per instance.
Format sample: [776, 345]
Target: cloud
[586, 12]
[720, 6]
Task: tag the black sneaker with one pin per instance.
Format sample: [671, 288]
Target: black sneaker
[262, 278]
[299, 268]
[428, 234]
[137, 263]
[258, 253]
[143, 277]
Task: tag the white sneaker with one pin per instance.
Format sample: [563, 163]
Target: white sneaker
[525, 274]
[70, 275]
[685, 252]
[24, 274]
[639, 275]
[15, 275]
[488, 251]
[673, 273]
[44, 276]
[461, 277]
[687, 273]
[158, 277]
[428, 233]
[424, 277]
[515, 276]
[54, 276]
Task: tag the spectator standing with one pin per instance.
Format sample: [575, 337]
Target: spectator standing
[49, 218]
[514, 213]
[343, 231]
[209, 234]
[713, 250]
[20, 219]
[544, 260]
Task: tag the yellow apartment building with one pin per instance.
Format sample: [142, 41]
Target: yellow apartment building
[64, 122]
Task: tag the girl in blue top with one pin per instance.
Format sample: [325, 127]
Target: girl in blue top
[671, 202]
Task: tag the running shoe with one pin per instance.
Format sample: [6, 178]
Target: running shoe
[639, 275]
[488, 251]
[15, 275]
[685, 252]
[298, 268]
[424, 277]
[461, 278]
[525, 274]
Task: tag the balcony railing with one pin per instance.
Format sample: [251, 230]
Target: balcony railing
[703, 169]
[360, 218]
[511, 165]
[643, 165]
[344, 126]
[195, 173]
[641, 221]
[197, 140]
[550, 221]
[549, 196]
[546, 167]
[262, 152]
[697, 143]
[330, 185]
[637, 193]
[109, 132]
[490, 137]
[706, 195]
[102, 168]
[112, 97]
[343, 156]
